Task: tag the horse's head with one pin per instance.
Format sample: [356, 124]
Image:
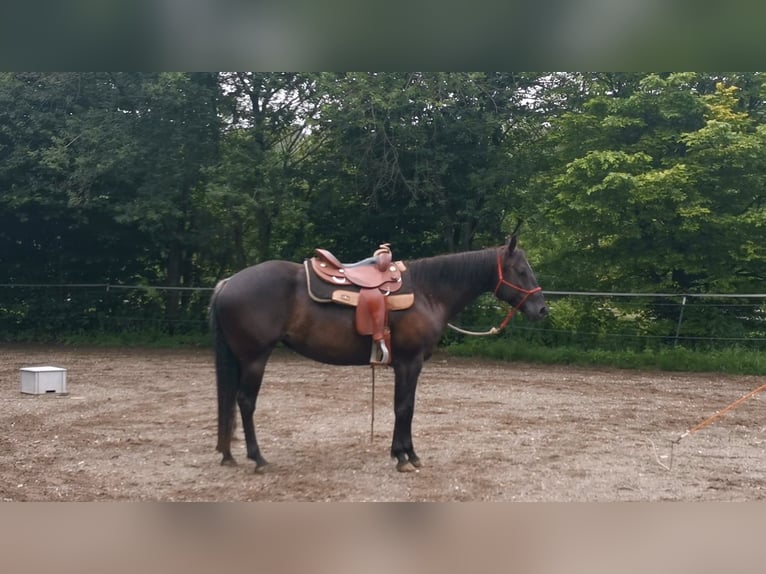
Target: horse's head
[516, 282]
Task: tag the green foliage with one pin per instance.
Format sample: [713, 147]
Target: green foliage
[30, 314]
[424, 157]
[660, 193]
[642, 182]
[152, 338]
[606, 323]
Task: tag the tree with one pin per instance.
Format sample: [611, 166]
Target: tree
[727, 160]
[423, 158]
[128, 158]
[655, 187]
[47, 232]
[261, 179]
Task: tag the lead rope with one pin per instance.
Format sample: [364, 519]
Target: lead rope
[492, 331]
[703, 424]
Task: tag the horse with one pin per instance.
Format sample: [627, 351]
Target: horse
[263, 305]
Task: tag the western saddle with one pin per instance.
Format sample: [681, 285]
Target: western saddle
[369, 286]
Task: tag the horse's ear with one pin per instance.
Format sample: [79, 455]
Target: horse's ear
[510, 243]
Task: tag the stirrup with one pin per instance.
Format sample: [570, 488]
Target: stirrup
[379, 348]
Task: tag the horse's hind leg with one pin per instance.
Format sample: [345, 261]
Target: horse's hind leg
[226, 405]
[250, 385]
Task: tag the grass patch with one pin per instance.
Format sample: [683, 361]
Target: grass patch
[139, 339]
[730, 360]
[150, 339]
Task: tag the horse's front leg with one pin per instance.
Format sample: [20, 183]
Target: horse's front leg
[405, 382]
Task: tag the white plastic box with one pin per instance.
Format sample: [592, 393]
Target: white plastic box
[43, 380]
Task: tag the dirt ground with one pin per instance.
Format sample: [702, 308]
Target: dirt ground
[140, 425]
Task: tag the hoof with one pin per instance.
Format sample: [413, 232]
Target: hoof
[261, 468]
[416, 462]
[406, 467]
[228, 461]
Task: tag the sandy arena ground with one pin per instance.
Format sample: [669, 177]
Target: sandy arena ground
[140, 425]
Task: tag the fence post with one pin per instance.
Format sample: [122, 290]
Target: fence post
[680, 319]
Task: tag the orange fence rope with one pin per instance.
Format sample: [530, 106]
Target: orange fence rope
[702, 425]
[720, 413]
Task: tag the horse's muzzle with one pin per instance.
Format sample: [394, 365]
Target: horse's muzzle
[535, 311]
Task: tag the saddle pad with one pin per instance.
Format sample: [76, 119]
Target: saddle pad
[395, 302]
[322, 292]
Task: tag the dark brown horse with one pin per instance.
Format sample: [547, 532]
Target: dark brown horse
[263, 305]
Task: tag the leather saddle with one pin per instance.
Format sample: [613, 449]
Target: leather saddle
[373, 285]
[378, 271]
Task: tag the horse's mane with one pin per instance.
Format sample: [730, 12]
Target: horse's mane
[465, 267]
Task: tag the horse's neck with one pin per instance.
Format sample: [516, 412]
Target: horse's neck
[457, 279]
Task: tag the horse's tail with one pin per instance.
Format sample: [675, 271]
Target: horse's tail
[227, 373]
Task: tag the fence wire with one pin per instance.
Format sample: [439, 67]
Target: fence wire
[639, 320]
[588, 319]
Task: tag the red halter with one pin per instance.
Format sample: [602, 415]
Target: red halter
[502, 281]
